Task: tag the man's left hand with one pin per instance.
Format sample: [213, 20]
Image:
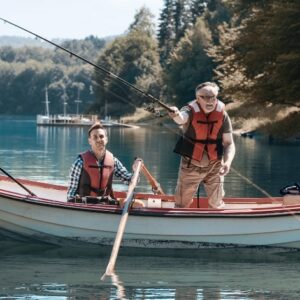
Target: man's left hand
[225, 167]
[134, 166]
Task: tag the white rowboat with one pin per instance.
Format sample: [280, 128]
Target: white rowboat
[47, 216]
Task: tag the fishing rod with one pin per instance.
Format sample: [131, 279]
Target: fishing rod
[112, 75]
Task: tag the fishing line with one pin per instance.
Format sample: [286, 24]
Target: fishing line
[264, 192]
[126, 83]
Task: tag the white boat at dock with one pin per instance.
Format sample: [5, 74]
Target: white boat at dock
[66, 120]
[75, 120]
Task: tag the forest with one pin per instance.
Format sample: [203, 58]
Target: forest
[250, 48]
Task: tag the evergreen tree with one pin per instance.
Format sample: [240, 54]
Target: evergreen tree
[197, 9]
[180, 15]
[166, 33]
[182, 18]
[143, 22]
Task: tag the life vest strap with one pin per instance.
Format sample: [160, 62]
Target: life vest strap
[207, 122]
[99, 167]
[206, 142]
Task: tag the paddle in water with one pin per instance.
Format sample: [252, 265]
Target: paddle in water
[127, 203]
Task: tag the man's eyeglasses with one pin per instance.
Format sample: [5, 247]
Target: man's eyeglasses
[207, 98]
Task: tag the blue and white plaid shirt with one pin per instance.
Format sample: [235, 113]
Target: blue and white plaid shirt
[119, 171]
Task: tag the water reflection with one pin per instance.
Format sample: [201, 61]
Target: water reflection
[216, 275]
[60, 146]
[268, 165]
[121, 293]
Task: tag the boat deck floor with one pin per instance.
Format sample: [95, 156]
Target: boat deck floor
[59, 193]
[51, 193]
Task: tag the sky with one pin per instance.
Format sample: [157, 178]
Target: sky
[75, 19]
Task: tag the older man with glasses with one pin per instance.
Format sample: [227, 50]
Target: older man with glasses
[206, 146]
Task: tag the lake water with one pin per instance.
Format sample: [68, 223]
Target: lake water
[36, 271]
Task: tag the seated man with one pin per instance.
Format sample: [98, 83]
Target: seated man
[92, 172]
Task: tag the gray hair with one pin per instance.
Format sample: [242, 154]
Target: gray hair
[207, 83]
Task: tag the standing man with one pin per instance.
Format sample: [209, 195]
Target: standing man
[92, 172]
[206, 146]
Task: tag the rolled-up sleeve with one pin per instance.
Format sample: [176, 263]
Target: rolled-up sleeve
[182, 117]
[121, 172]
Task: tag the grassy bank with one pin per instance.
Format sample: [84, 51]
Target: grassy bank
[278, 121]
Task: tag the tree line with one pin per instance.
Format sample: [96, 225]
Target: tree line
[26, 71]
[250, 48]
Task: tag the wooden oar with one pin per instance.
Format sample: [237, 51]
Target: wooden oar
[129, 198]
[155, 185]
[17, 182]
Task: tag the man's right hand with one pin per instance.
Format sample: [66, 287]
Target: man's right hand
[175, 112]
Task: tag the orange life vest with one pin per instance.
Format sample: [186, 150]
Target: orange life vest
[96, 178]
[202, 133]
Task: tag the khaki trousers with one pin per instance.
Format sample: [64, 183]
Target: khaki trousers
[189, 178]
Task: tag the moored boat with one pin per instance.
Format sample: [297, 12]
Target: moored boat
[76, 120]
[45, 215]
[66, 120]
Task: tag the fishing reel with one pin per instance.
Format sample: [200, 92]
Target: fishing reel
[153, 109]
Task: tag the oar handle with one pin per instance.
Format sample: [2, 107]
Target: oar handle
[129, 197]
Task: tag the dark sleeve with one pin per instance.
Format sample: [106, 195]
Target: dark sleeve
[227, 126]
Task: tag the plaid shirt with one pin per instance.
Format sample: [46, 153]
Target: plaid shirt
[119, 171]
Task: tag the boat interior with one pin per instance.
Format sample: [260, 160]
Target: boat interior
[45, 191]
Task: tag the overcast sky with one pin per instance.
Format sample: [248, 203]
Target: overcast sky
[72, 18]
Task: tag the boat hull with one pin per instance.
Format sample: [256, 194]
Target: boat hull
[61, 223]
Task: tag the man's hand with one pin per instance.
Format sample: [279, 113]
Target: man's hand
[134, 166]
[75, 199]
[224, 168]
[229, 152]
[175, 112]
